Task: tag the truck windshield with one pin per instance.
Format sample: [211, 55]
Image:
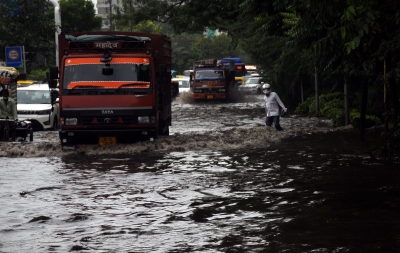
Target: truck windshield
[91, 74]
[209, 74]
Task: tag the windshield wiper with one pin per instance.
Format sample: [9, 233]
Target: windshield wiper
[133, 84]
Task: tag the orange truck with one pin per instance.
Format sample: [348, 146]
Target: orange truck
[211, 79]
[113, 87]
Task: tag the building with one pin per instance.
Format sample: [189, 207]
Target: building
[104, 8]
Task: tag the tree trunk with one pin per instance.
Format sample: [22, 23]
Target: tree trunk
[316, 93]
[346, 104]
[364, 101]
[394, 96]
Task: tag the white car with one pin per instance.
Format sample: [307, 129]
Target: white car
[184, 84]
[36, 103]
[252, 86]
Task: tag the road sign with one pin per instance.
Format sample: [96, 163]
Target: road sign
[14, 56]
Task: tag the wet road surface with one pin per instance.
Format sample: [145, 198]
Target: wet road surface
[222, 182]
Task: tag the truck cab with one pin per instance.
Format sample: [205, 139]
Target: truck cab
[114, 87]
[211, 80]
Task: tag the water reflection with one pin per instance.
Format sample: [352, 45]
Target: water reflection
[292, 196]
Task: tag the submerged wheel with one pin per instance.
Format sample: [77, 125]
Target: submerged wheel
[6, 135]
[258, 91]
[30, 134]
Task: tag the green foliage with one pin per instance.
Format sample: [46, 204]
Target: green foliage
[390, 146]
[30, 24]
[305, 108]
[188, 48]
[370, 120]
[79, 16]
[147, 27]
[37, 74]
[331, 107]
[335, 114]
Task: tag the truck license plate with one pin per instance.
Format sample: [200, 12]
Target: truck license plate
[210, 96]
[107, 141]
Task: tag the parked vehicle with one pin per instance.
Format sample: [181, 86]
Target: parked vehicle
[253, 86]
[211, 80]
[114, 87]
[39, 104]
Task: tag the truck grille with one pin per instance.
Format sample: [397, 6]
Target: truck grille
[109, 120]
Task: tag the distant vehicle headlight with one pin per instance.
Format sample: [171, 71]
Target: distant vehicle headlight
[71, 121]
[143, 119]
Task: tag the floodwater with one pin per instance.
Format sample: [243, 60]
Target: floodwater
[221, 182]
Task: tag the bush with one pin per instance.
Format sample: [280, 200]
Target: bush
[38, 74]
[304, 108]
[332, 107]
[370, 120]
[335, 114]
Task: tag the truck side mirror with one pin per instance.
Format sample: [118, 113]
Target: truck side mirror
[53, 84]
[53, 77]
[53, 73]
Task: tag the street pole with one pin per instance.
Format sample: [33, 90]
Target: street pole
[57, 20]
[24, 58]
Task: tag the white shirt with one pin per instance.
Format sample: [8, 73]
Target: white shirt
[272, 103]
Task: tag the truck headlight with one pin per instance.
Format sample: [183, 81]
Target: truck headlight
[71, 121]
[143, 119]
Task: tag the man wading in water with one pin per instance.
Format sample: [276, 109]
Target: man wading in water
[272, 110]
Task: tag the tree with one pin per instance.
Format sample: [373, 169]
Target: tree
[30, 24]
[188, 48]
[79, 16]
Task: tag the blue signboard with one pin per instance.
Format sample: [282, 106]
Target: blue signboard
[14, 56]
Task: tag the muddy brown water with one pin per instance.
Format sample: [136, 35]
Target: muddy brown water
[222, 182]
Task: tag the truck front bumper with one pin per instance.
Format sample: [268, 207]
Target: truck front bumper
[75, 137]
[209, 95]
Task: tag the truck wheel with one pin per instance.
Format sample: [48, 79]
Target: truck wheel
[31, 134]
[258, 91]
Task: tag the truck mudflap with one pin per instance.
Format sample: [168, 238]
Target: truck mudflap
[105, 137]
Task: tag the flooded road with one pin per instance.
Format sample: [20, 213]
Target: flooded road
[222, 182]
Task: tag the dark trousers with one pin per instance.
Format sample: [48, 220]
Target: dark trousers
[275, 120]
